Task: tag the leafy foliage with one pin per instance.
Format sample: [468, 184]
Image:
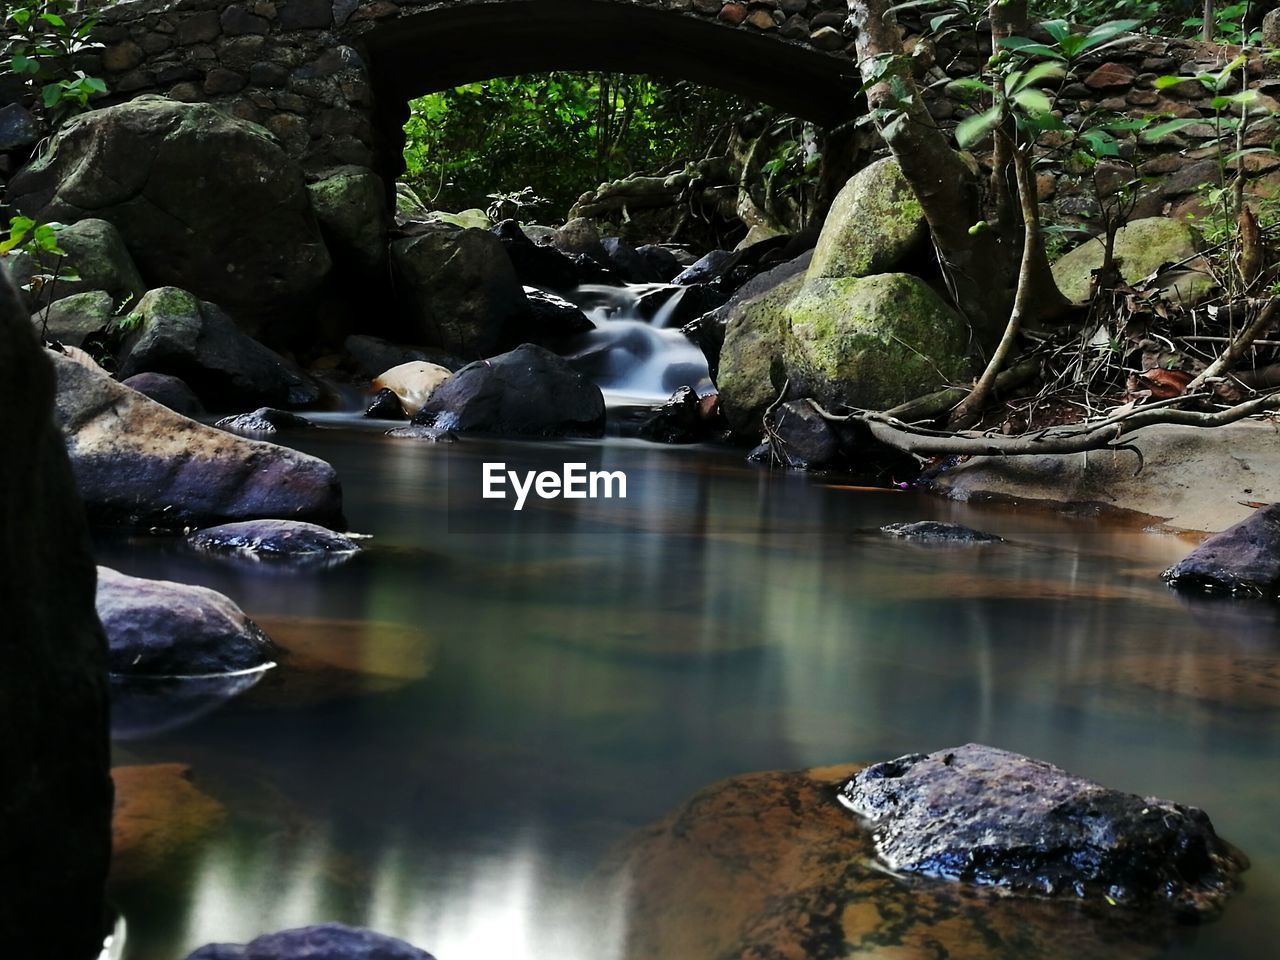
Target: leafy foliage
[556, 134]
[40, 44]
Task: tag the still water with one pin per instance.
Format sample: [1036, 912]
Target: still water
[479, 708]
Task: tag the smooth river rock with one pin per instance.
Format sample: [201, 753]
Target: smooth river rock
[167, 391]
[157, 628]
[986, 816]
[274, 540]
[55, 791]
[326, 941]
[936, 532]
[139, 464]
[527, 392]
[769, 865]
[1243, 560]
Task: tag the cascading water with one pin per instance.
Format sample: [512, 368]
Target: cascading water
[633, 355]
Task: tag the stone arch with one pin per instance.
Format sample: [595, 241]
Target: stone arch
[444, 45]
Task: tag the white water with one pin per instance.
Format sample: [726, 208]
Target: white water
[631, 357]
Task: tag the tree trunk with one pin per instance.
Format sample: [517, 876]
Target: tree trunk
[977, 269]
[1006, 21]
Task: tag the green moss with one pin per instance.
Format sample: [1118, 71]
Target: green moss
[751, 367]
[875, 222]
[1142, 247]
[873, 341]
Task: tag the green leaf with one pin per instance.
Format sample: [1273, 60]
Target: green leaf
[1058, 29]
[972, 129]
[1164, 129]
[1033, 101]
[1107, 31]
[1165, 82]
[51, 94]
[1030, 48]
[1038, 73]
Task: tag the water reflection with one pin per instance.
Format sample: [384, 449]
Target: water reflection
[474, 720]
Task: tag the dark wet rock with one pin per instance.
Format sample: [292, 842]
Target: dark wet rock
[800, 437]
[543, 266]
[981, 815]
[167, 391]
[679, 305]
[205, 201]
[198, 343]
[528, 391]
[351, 208]
[551, 320]
[580, 237]
[385, 405]
[459, 288]
[97, 253]
[160, 817]
[631, 264]
[139, 464]
[1243, 560]
[424, 432]
[55, 792]
[373, 355]
[705, 270]
[144, 707]
[707, 334]
[934, 531]
[263, 421]
[18, 128]
[327, 941]
[158, 628]
[664, 264]
[273, 540]
[769, 865]
[679, 420]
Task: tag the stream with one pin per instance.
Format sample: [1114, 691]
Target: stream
[488, 704]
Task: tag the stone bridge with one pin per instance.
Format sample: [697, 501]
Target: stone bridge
[332, 78]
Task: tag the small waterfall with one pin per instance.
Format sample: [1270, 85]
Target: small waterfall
[632, 354]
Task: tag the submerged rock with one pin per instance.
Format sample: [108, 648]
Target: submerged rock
[934, 531]
[413, 383]
[157, 628]
[274, 540]
[139, 464]
[1243, 559]
[326, 941]
[982, 815]
[527, 392]
[264, 421]
[160, 815]
[769, 865]
[167, 391]
[424, 432]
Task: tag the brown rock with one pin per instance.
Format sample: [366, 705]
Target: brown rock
[121, 56]
[198, 27]
[159, 816]
[761, 20]
[1109, 76]
[733, 13]
[827, 38]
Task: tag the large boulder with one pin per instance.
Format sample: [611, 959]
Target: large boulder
[874, 224]
[55, 789]
[527, 392]
[157, 628]
[987, 816]
[873, 342]
[352, 210]
[173, 332]
[751, 372]
[167, 391]
[459, 288]
[71, 319]
[138, 463]
[204, 201]
[538, 265]
[551, 320]
[1142, 247]
[326, 941]
[97, 253]
[1243, 559]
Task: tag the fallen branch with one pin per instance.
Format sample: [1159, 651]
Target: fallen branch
[1098, 435]
[1236, 349]
[935, 404]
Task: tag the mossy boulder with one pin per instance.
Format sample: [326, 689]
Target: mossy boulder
[751, 367]
[73, 318]
[875, 223]
[873, 342]
[352, 211]
[204, 201]
[1142, 248]
[98, 255]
